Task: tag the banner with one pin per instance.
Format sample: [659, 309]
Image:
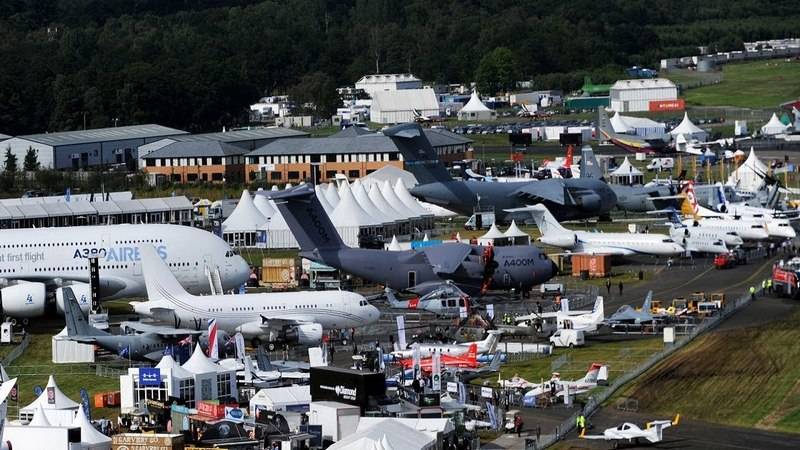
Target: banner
[490, 311]
[13, 395]
[492, 415]
[51, 395]
[486, 392]
[401, 332]
[213, 346]
[239, 339]
[436, 373]
[149, 376]
[452, 386]
[85, 402]
[261, 239]
[462, 393]
[416, 358]
[234, 414]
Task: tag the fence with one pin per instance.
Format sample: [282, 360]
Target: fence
[595, 401]
[17, 351]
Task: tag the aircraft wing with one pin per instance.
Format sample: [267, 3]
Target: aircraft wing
[446, 259]
[162, 331]
[278, 321]
[553, 192]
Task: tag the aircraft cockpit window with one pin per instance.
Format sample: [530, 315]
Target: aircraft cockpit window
[444, 303]
[668, 241]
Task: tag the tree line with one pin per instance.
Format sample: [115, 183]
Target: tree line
[196, 65]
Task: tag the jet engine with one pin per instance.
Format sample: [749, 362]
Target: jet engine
[82, 292]
[565, 239]
[24, 300]
[305, 334]
[588, 201]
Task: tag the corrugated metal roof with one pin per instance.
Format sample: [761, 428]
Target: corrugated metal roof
[371, 143]
[646, 83]
[81, 208]
[196, 149]
[32, 211]
[106, 208]
[103, 135]
[5, 213]
[404, 100]
[244, 135]
[178, 202]
[154, 205]
[131, 206]
[56, 209]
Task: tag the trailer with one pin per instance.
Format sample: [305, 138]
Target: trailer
[786, 278]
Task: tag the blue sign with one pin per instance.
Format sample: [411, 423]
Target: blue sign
[37, 390]
[86, 404]
[149, 376]
[420, 244]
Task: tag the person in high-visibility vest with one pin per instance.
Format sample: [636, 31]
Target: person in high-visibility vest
[580, 423]
[752, 292]
[769, 285]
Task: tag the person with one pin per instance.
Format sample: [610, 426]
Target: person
[608, 286]
[416, 386]
[580, 423]
[539, 308]
[518, 424]
[620, 288]
[763, 286]
[752, 292]
[669, 263]
[769, 286]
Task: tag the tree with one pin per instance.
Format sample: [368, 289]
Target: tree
[31, 162]
[317, 88]
[11, 161]
[497, 71]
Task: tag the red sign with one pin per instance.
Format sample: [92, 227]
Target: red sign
[413, 303]
[667, 105]
[211, 410]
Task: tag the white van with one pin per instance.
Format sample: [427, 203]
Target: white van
[659, 164]
[567, 338]
[486, 221]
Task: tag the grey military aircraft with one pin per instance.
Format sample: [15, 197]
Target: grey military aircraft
[572, 198]
[147, 346]
[626, 314]
[473, 268]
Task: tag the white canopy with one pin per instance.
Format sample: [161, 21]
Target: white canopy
[493, 233]
[626, 169]
[774, 126]
[276, 222]
[749, 176]
[388, 434]
[514, 231]
[619, 125]
[200, 363]
[475, 104]
[277, 399]
[377, 199]
[394, 246]
[323, 200]
[245, 217]
[392, 174]
[332, 194]
[430, 426]
[262, 205]
[60, 401]
[688, 129]
[410, 202]
[169, 365]
[348, 213]
[367, 205]
[89, 434]
[396, 203]
[39, 418]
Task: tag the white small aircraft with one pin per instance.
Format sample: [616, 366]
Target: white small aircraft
[248, 373]
[597, 372]
[620, 244]
[576, 320]
[487, 345]
[653, 431]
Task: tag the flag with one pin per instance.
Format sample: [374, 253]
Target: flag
[125, 352]
[213, 347]
[492, 415]
[67, 195]
[401, 332]
[186, 341]
[416, 358]
[436, 375]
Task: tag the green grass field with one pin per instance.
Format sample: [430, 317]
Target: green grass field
[743, 377]
[758, 85]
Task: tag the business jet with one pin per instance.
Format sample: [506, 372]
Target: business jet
[653, 432]
[297, 317]
[487, 345]
[37, 262]
[620, 244]
[576, 320]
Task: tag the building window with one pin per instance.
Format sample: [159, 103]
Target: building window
[392, 157]
[315, 158]
[216, 160]
[293, 175]
[224, 385]
[150, 162]
[216, 176]
[329, 174]
[176, 178]
[274, 176]
[191, 177]
[354, 174]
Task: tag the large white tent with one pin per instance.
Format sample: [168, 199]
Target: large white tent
[380, 202]
[91, 439]
[59, 409]
[476, 110]
[626, 173]
[396, 203]
[392, 174]
[245, 217]
[367, 205]
[387, 434]
[749, 177]
[774, 126]
[493, 237]
[332, 194]
[640, 126]
[689, 130]
[286, 398]
[349, 217]
[516, 236]
[323, 200]
[261, 203]
[410, 202]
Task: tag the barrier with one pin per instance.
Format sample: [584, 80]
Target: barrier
[17, 351]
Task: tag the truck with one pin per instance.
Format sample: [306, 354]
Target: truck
[786, 278]
[567, 338]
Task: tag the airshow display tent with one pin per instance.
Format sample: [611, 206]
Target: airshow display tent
[476, 110]
[689, 130]
[774, 126]
[288, 398]
[387, 435]
[749, 177]
[627, 174]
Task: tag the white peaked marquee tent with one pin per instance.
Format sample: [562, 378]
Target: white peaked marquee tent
[349, 217]
[774, 126]
[262, 205]
[240, 227]
[749, 177]
[626, 173]
[689, 130]
[476, 110]
[59, 409]
[323, 200]
[394, 246]
[516, 236]
[91, 439]
[332, 194]
[366, 204]
[493, 237]
[387, 434]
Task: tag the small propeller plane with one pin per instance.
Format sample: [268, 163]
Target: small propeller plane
[653, 431]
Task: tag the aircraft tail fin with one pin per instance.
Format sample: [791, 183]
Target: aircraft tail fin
[77, 323]
[393, 301]
[589, 166]
[159, 280]
[598, 312]
[674, 219]
[490, 343]
[305, 216]
[604, 130]
[419, 156]
[647, 301]
[497, 360]
[263, 359]
[591, 374]
[545, 221]
[689, 206]
[472, 352]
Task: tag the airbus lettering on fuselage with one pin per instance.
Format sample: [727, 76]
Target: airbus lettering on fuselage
[519, 262]
[116, 254]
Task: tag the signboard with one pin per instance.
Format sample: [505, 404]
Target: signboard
[37, 390]
[14, 394]
[486, 392]
[436, 375]
[452, 386]
[349, 386]
[669, 335]
[94, 283]
[51, 395]
[667, 105]
[421, 244]
[401, 332]
[234, 414]
[490, 311]
[137, 441]
[261, 239]
[210, 409]
[149, 376]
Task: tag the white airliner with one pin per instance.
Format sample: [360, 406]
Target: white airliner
[34, 262]
[748, 228]
[488, 345]
[621, 244]
[287, 316]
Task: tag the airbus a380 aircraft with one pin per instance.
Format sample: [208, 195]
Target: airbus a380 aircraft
[278, 316]
[34, 262]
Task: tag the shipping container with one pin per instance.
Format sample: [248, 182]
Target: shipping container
[100, 400]
[597, 266]
[280, 271]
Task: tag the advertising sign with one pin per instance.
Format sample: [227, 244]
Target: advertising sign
[667, 105]
[149, 376]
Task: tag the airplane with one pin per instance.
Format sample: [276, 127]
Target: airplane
[488, 345]
[473, 268]
[465, 361]
[465, 374]
[576, 320]
[262, 377]
[749, 228]
[560, 387]
[419, 117]
[627, 315]
[629, 142]
[744, 210]
[5, 390]
[43, 260]
[146, 346]
[573, 198]
[446, 300]
[702, 236]
[527, 111]
[298, 317]
[653, 431]
[620, 244]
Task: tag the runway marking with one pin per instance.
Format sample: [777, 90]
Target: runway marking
[686, 283]
[768, 263]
